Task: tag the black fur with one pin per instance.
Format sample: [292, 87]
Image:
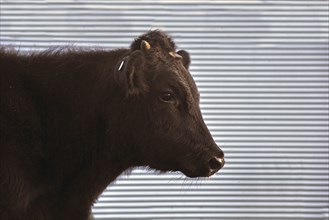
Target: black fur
[71, 121]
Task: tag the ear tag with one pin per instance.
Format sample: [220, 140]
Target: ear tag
[121, 65]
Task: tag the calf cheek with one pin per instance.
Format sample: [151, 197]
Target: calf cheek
[190, 144]
[167, 139]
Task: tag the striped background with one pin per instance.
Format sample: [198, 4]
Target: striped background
[262, 70]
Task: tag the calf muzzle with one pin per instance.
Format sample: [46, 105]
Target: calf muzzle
[215, 164]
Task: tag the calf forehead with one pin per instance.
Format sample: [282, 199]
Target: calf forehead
[185, 78]
[189, 86]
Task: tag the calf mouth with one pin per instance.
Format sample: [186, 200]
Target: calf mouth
[205, 169]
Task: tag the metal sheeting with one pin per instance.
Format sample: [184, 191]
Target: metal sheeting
[262, 70]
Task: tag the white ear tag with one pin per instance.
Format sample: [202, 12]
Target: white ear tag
[121, 65]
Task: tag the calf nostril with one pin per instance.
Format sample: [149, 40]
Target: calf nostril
[216, 163]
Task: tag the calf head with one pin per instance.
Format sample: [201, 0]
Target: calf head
[174, 136]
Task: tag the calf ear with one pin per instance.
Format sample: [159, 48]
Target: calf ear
[185, 58]
[130, 73]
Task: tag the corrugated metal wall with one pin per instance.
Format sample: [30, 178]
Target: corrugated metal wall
[262, 70]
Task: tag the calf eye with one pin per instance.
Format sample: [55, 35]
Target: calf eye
[167, 97]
